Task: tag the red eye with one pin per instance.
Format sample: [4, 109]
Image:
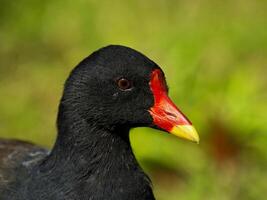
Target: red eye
[124, 84]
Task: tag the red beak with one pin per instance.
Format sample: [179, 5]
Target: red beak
[165, 114]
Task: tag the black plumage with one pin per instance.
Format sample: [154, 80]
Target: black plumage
[107, 94]
[92, 157]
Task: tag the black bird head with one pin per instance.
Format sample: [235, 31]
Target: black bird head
[118, 87]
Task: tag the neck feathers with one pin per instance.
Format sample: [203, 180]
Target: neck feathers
[94, 161]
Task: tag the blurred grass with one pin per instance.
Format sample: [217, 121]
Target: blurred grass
[214, 54]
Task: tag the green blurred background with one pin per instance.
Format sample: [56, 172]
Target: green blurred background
[214, 54]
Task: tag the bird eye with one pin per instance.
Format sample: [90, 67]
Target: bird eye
[124, 84]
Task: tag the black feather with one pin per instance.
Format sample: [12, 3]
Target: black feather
[92, 157]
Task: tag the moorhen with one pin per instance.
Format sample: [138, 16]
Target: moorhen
[111, 91]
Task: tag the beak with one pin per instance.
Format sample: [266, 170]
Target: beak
[165, 114]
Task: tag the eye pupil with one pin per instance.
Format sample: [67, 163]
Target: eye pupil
[124, 84]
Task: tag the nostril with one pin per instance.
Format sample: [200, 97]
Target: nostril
[170, 114]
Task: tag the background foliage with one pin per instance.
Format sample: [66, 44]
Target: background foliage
[214, 54]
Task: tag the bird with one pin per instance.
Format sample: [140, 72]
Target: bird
[113, 90]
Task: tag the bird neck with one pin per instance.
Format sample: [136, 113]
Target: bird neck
[94, 149]
[83, 143]
[95, 161]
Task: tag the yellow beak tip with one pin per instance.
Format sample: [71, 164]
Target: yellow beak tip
[186, 131]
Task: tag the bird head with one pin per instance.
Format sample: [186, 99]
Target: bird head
[118, 87]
